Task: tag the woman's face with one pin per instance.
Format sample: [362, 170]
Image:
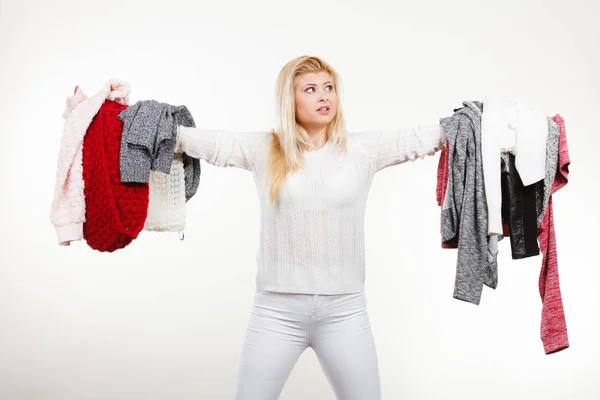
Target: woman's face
[316, 100]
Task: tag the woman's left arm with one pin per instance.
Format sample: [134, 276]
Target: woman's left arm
[395, 147]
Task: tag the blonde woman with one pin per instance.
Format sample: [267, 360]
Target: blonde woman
[313, 179]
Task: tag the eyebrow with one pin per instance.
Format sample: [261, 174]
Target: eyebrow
[314, 84]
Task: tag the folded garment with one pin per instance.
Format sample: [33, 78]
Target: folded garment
[519, 210]
[167, 208]
[464, 213]
[115, 211]
[68, 206]
[148, 143]
[553, 329]
[509, 126]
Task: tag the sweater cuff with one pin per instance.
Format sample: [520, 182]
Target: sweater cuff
[178, 140]
[437, 136]
[443, 138]
[69, 233]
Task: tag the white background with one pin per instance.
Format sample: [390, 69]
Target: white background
[165, 319]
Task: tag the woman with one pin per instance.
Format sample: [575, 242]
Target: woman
[313, 179]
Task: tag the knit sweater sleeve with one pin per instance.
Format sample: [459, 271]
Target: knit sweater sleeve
[386, 149]
[219, 147]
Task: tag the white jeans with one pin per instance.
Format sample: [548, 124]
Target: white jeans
[283, 325]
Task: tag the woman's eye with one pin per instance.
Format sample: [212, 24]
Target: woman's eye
[312, 89]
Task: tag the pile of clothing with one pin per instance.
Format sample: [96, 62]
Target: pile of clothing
[117, 170]
[496, 176]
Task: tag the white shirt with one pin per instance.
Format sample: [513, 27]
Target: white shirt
[508, 126]
[313, 242]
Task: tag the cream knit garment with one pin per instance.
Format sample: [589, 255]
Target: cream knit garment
[166, 208]
[68, 206]
[314, 241]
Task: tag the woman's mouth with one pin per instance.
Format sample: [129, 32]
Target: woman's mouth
[323, 110]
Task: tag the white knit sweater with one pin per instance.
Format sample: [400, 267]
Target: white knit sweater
[313, 242]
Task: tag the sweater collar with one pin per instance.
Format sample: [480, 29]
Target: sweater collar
[328, 144]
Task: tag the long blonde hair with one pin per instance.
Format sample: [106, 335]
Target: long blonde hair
[289, 139]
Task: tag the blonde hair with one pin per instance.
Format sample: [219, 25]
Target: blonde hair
[289, 139]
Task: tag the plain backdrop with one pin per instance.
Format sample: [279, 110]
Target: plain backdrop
[165, 318]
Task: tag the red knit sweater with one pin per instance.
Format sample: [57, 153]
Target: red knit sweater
[115, 211]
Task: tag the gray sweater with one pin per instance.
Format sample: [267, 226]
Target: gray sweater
[552, 143]
[148, 143]
[464, 211]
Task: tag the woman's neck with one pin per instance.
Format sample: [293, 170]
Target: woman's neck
[317, 136]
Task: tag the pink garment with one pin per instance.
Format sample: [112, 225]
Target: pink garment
[68, 207]
[553, 328]
[442, 176]
[441, 185]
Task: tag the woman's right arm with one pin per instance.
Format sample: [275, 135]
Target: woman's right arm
[218, 147]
